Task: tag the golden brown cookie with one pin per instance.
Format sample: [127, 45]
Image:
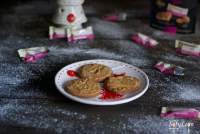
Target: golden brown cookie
[122, 84]
[164, 16]
[160, 3]
[183, 20]
[95, 72]
[83, 88]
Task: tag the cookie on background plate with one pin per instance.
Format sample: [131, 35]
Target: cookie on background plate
[83, 88]
[95, 72]
[122, 84]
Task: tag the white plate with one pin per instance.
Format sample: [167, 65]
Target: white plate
[117, 67]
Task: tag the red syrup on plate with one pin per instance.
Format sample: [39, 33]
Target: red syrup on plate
[72, 73]
[107, 95]
[122, 74]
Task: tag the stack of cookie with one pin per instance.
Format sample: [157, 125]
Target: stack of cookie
[91, 77]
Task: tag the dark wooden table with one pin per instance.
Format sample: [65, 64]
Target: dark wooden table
[30, 102]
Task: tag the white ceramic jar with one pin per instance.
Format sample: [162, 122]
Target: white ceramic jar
[69, 14]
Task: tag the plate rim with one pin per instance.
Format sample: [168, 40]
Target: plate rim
[103, 103]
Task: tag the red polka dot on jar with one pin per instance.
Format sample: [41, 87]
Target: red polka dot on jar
[71, 18]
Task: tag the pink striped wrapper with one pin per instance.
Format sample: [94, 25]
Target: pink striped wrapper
[144, 40]
[184, 113]
[186, 48]
[171, 69]
[71, 34]
[32, 54]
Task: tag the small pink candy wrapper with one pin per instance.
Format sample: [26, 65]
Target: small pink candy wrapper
[171, 69]
[57, 33]
[71, 34]
[177, 10]
[32, 54]
[144, 40]
[74, 35]
[116, 17]
[184, 113]
[186, 48]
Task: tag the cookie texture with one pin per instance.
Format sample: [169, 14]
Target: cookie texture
[95, 72]
[122, 84]
[83, 88]
[183, 20]
[164, 16]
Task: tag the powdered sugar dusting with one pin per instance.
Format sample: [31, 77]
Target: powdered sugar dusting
[43, 115]
[98, 52]
[109, 29]
[183, 92]
[65, 51]
[18, 112]
[153, 124]
[162, 35]
[177, 58]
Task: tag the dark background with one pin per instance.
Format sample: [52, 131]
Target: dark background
[30, 102]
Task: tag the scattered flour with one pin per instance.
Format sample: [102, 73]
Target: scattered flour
[175, 58]
[9, 76]
[153, 124]
[162, 35]
[108, 30]
[182, 92]
[98, 52]
[36, 116]
[60, 119]
[64, 51]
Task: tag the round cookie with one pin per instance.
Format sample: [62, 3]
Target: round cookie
[95, 72]
[122, 84]
[83, 88]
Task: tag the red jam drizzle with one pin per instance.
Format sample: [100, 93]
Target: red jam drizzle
[72, 73]
[122, 74]
[107, 95]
